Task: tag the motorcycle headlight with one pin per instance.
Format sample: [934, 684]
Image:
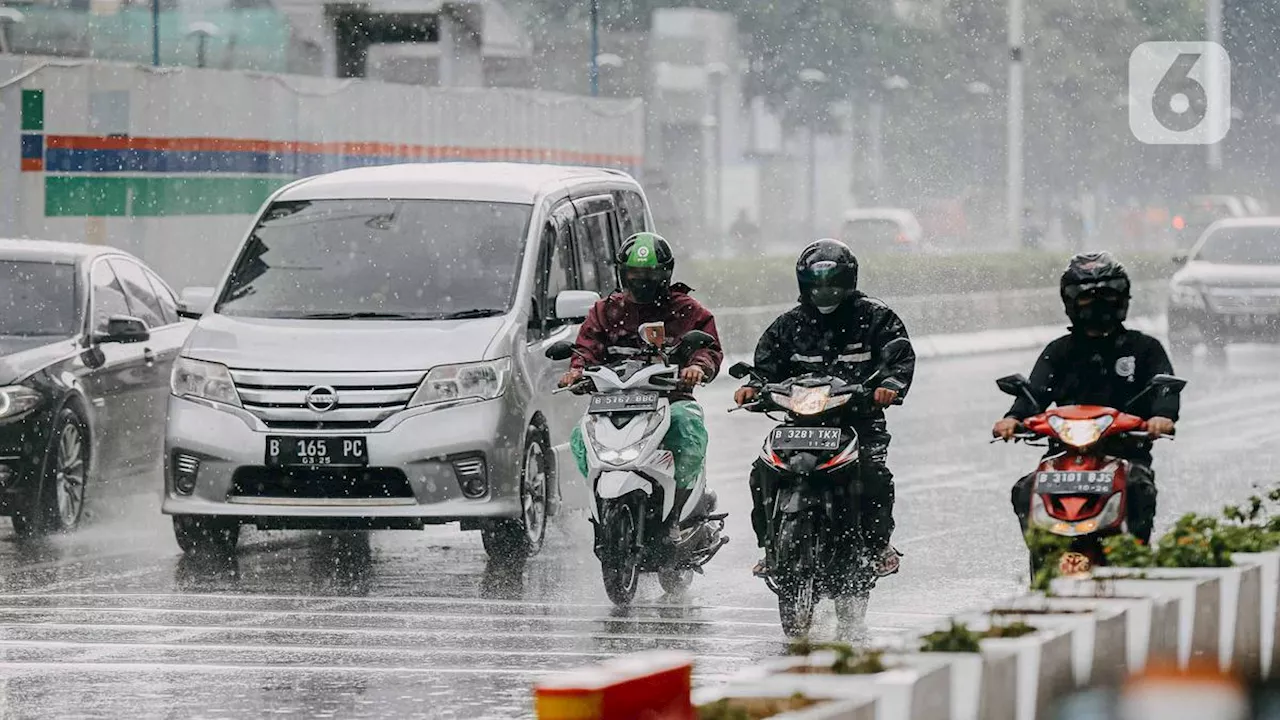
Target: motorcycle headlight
[481, 380]
[205, 380]
[1186, 296]
[1080, 433]
[809, 401]
[628, 454]
[18, 400]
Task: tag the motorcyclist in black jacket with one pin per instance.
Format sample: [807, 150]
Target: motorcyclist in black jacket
[839, 330]
[1101, 362]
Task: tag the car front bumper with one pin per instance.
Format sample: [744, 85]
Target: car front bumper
[415, 448]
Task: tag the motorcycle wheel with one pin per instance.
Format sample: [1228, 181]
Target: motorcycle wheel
[797, 586]
[675, 582]
[619, 558]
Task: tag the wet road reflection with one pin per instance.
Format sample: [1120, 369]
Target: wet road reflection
[113, 622]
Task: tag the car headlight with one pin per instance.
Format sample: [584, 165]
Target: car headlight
[1080, 433]
[206, 380]
[481, 381]
[18, 400]
[1186, 296]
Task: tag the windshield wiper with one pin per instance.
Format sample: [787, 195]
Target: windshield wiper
[363, 315]
[465, 314]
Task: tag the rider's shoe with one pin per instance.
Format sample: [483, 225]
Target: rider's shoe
[887, 563]
[762, 568]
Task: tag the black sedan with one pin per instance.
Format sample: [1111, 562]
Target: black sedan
[1229, 289]
[88, 335]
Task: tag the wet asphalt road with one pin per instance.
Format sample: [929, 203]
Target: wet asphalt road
[112, 622]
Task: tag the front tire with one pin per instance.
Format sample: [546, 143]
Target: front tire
[619, 557]
[795, 558]
[675, 582]
[206, 535]
[55, 502]
[521, 538]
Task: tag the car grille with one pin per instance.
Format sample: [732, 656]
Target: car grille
[1228, 301]
[279, 398]
[321, 483]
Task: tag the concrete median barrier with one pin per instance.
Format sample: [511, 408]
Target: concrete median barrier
[984, 685]
[1269, 564]
[1152, 626]
[1099, 630]
[1044, 660]
[1199, 605]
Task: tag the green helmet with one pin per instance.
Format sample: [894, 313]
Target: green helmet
[645, 264]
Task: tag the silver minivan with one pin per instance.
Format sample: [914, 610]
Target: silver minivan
[373, 357]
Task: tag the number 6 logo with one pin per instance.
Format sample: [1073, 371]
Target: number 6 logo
[1179, 93]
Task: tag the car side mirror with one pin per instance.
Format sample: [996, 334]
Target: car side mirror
[562, 350]
[1181, 257]
[740, 370]
[123, 329]
[194, 302]
[572, 306]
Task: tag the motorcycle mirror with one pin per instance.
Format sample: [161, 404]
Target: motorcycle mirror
[696, 340]
[1013, 384]
[562, 350]
[1171, 383]
[740, 370]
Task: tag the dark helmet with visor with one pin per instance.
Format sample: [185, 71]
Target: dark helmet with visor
[1095, 291]
[827, 273]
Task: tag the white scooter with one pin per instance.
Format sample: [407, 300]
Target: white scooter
[633, 477]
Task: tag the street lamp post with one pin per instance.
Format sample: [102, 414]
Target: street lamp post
[595, 48]
[1013, 184]
[980, 92]
[890, 85]
[716, 74]
[155, 32]
[813, 79]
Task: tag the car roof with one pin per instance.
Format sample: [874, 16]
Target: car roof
[1269, 221]
[481, 181]
[53, 251]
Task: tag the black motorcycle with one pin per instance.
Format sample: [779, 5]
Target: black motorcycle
[814, 542]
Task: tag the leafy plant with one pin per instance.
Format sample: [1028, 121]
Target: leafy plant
[752, 708]
[1194, 541]
[1015, 629]
[1126, 551]
[956, 638]
[849, 661]
[1046, 550]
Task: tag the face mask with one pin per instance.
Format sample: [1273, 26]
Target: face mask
[646, 292]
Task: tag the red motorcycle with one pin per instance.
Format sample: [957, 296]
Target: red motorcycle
[1080, 491]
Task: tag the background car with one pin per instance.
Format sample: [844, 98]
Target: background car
[87, 339]
[1200, 211]
[1229, 287]
[881, 230]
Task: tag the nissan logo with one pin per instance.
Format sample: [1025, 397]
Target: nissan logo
[322, 398]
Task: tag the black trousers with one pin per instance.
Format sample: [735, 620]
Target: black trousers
[876, 501]
[1140, 503]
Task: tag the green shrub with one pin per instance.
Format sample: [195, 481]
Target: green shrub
[956, 638]
[1193, 542]
[849, 661]
[1126, 551]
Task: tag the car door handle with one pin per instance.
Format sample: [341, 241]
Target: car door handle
[149, 357]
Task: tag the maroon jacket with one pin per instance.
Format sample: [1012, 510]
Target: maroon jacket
[615, 322]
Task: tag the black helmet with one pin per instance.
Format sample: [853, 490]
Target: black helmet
[645, 263]
[827, 272]
[1103, 284]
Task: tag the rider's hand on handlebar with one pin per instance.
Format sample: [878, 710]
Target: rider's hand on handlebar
[692, 375]
[571, 377]
[884, 397]
[1160, 426]
[1005, 428]
[745, 395]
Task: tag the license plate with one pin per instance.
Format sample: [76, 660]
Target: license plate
[797, 438]
[1074, 483]
[290, 451]
[638, 401]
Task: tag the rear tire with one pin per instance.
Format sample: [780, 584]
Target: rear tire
[518, 539]
[206, 535]
[619, 558]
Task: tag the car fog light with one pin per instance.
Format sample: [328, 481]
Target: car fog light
[473, 476]
[185, 470]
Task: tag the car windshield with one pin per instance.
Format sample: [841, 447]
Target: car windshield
[1242, 246]
[874, 235]
[38, 298]
[379, 259]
